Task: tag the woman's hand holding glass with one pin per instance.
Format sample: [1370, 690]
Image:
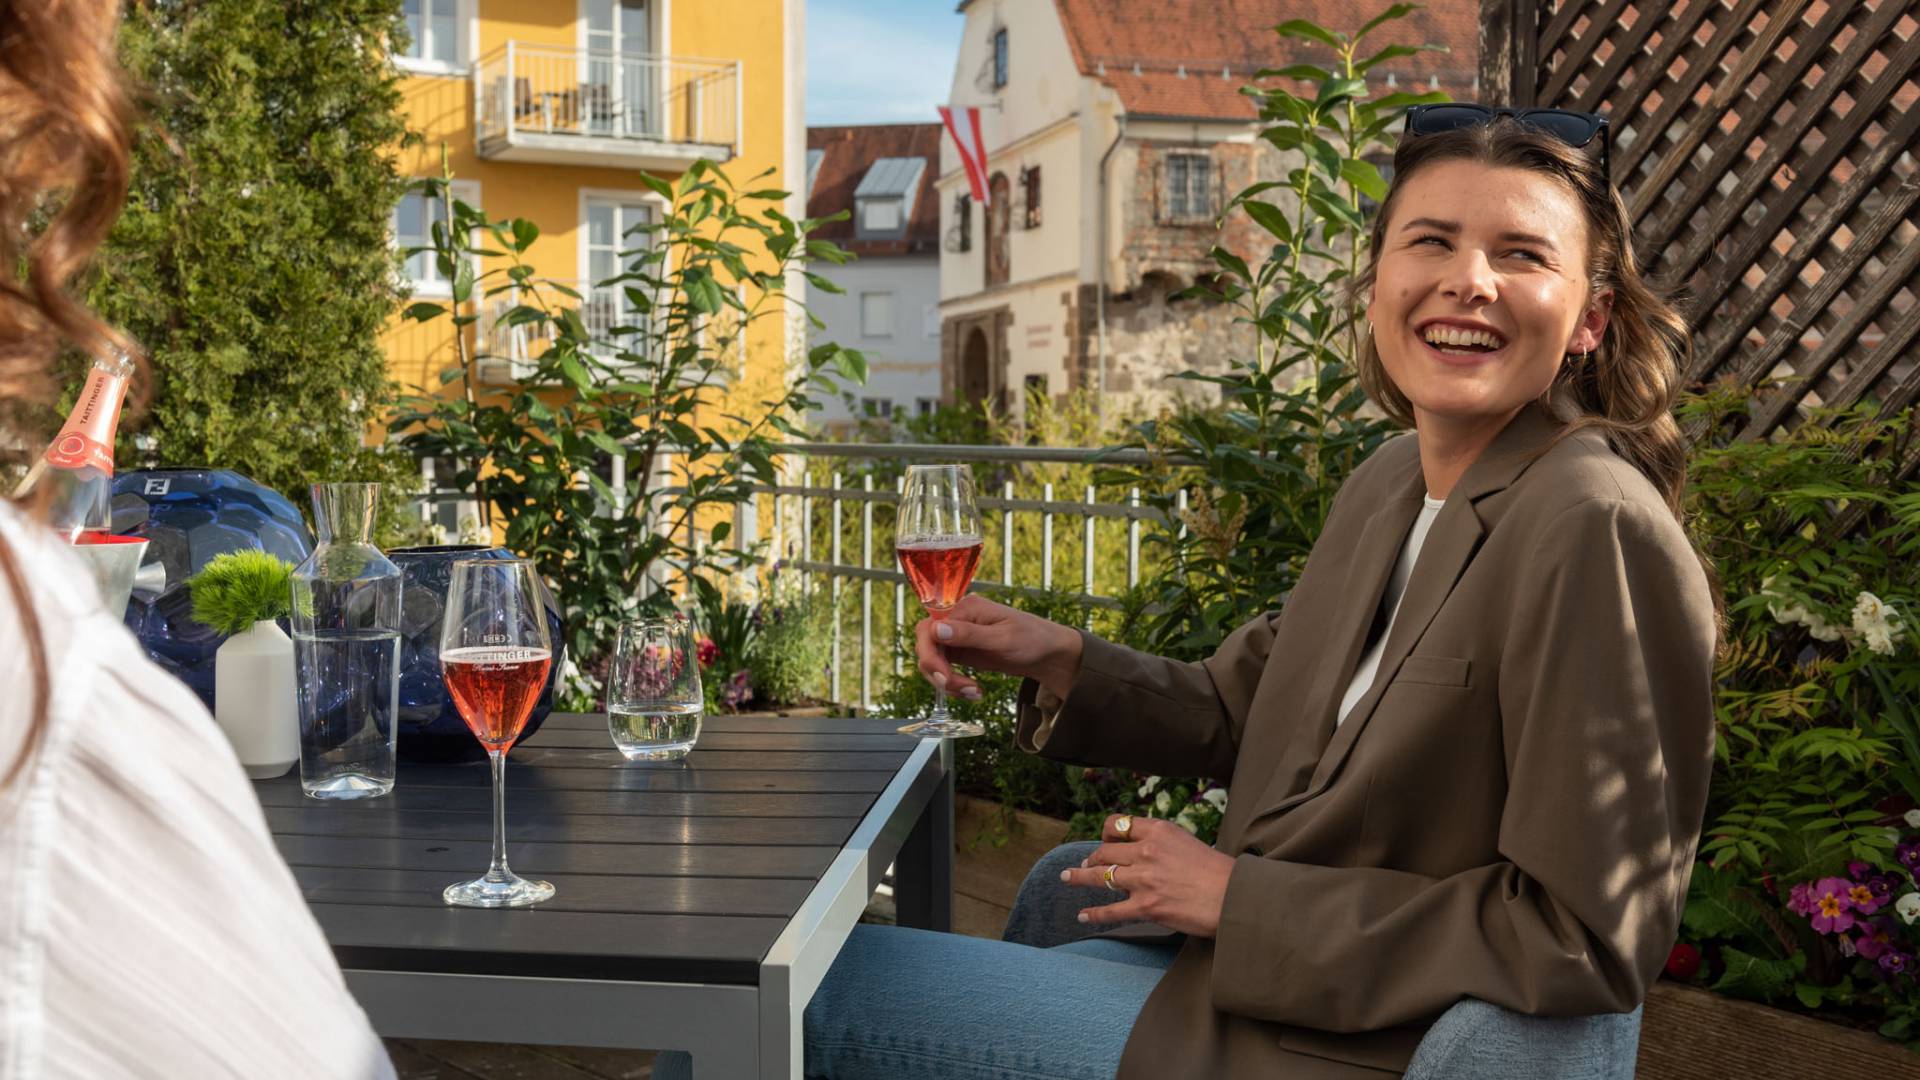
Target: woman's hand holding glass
[994, 637]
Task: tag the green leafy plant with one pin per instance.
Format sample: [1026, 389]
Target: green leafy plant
[1817, 770]
[1291, 425]
[252, 258]
[668, 377]
[789, 658]
[239, 588]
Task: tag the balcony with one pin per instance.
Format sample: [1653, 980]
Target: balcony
[565, 106]
[507, 352]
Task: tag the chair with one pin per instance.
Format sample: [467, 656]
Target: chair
[1473, 1040]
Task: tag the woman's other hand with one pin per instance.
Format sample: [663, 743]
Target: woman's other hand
[982, 634]
[1170, 876]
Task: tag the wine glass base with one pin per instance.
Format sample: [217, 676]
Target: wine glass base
[508, 892]
[947, 729]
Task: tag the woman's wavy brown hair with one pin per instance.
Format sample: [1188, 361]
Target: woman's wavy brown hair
[1627, 386]
[64, 131]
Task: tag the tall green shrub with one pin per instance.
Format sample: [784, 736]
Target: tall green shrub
[252, 260]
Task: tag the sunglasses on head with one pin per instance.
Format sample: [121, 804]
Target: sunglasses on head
[1576, 129]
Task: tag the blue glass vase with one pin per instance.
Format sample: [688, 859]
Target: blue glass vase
[188, 516]
[430, 727]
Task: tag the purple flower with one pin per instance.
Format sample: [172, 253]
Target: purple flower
[1831, 906]
[1800, 899]
[1860, 895]
[1895, 962]
[1908, 855]
[1858, 869]
[1881, 886]
[1876, 938]
[738, 690]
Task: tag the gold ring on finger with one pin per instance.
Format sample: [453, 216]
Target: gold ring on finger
[1108, 878]
[1123, 824]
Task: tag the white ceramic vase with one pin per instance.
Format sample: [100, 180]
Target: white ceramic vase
[253, 699]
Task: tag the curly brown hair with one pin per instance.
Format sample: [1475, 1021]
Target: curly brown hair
[64, 159]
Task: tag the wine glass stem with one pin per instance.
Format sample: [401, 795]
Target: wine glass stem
[498, 870]
[939, 707]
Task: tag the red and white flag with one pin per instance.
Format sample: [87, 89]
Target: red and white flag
[965, 129]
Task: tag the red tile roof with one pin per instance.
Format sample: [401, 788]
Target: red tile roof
[850, 150]
[1166, 57]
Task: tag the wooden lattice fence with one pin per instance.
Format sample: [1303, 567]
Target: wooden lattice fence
[1767, 149]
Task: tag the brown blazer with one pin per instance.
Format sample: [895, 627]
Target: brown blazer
[1509, 814]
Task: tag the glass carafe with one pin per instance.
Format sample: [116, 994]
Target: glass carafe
[346, 649]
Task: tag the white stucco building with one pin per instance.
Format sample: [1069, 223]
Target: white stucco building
[1115, 130]
[882, 175]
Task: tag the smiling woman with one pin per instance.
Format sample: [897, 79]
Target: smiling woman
[1503, 617]
[1507, 230]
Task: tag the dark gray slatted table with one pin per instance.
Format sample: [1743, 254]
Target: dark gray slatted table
[697, 905]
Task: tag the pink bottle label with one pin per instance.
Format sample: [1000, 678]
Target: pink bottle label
[87, 436]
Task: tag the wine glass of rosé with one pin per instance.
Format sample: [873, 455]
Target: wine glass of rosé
[938, 539]
[494, 655]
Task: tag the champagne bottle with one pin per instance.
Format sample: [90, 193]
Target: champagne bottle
[79, 465]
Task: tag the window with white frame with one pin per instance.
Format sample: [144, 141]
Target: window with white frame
[926, 405]
[1188, 181]
[614, 237]
[876, 314]
[878, 408]
[436, 29]
[622, 84]
[999, 57]
[413, 220]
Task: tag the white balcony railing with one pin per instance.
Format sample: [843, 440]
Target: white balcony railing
[823, 527]
[593, 106]
[508, 351]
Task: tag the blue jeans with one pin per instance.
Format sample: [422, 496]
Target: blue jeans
[902, 1004]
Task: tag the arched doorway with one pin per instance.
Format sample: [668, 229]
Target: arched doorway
[976, 378]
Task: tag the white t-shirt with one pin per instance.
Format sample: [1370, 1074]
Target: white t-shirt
[1390, 602]
[148, 926]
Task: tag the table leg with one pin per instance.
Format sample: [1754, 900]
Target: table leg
[923, 871]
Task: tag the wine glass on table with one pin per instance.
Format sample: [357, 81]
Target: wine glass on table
[494, 655]
[938, 540]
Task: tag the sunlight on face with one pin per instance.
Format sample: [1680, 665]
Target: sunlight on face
[1481, 291]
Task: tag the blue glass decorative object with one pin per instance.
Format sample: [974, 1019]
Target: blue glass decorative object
[187, 517]
[431, 729]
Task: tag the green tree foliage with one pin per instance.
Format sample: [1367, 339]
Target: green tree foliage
[696, 282]
[252, 260]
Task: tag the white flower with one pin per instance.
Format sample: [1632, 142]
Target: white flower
[1146, 789]
[1217, 798]
[1184, 819]
[1869, 609]
[1846, 945]
[1913, 819]
[1821, 629]
[1792, 613]
[1163, 803]
[1879, 639]
[1909, 908]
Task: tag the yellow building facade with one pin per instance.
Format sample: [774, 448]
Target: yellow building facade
[550, 110]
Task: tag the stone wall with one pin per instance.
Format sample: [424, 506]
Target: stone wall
[1151, 338]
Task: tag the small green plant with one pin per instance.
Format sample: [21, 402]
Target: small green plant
[240, 588]
[790, 657]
